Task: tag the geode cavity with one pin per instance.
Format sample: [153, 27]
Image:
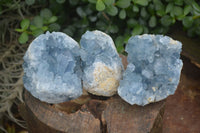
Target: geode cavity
[52, 68]
[153, 69]
[101, 64]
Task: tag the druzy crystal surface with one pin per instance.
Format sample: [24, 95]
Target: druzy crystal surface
[102, 67]
[52, 68]
[153, 69]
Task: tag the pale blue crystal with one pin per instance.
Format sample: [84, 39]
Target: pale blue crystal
[52, 68]
[101, 64]
[153, 69]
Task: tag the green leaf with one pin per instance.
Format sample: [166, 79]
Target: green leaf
[138, 29]
[112, 10]
[196, 6]
[122, 14]
[152, 21]
[19, 30]
[145, 30]
[74, 2]
[33, 27]
[187, 22]
[54, 27]
[187, 9]
[38, 21]
[123, 3]
[159, 5]
[151, 9]
[132, 22]
[161, 12]
[169, 7]
[52, 19]
[25, 24]
[166, 20]
[45, 13]
[173, 20]
[101, 25]
[44, 28]
[30, 2]
[113, 29]
[177, 11]
[100, 6]
[109, 2]
[188, 2]
[37, 32]
[119, 42]
[93, 1]
[178, 2]
[69, 30]
[80, 12]
[135, 8]
[60, 1]
[23, 38]
[126, 38]
[181, 17]
[143, 12]
[141, 2]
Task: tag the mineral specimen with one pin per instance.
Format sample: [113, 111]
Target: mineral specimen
[102, 67]
[153, 71]
[52, 68]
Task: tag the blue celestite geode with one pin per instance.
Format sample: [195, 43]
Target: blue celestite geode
[101, 64]
[52, 68]
[153, 69]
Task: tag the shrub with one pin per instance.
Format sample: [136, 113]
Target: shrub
[119, 18]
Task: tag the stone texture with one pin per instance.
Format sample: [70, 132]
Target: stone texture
[52, 68]
[153, 69]
[102, 67]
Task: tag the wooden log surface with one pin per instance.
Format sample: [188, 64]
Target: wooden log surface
[121, 117]
[96, 116]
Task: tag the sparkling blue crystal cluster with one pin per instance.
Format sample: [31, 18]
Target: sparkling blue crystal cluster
[52, 70]
[101, 64]
[153, 69]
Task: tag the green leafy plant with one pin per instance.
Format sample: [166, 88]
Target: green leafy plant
[119, 18]
[38, 25]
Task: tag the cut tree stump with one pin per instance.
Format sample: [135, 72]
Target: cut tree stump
[95, 116]
[92, 114]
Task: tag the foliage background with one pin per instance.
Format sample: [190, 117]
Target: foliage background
[118, 18]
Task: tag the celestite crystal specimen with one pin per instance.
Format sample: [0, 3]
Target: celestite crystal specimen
[153, 69]
[52, 68]
[101, 64]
